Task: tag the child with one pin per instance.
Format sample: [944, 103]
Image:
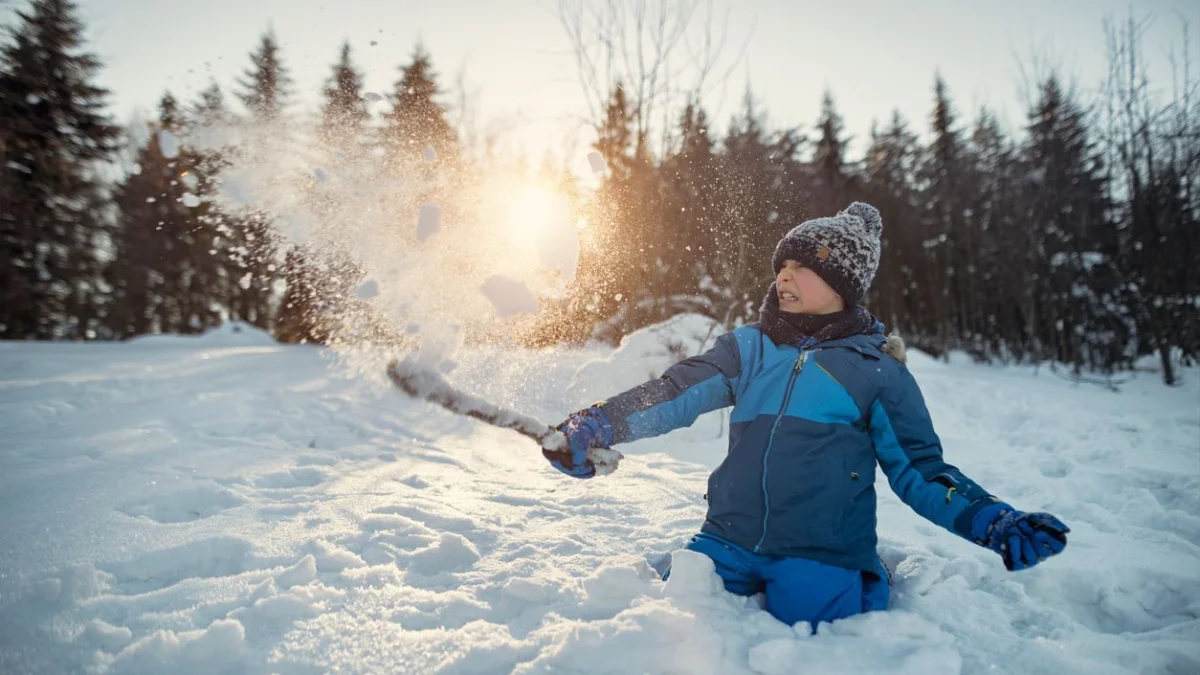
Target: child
[819, 397]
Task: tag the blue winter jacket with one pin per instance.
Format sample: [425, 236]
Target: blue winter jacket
[809, 423]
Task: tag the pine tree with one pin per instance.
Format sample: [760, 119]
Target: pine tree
[303, 311]
[219, 235]
[163, 273]
[615, 141]
[138, 273]
[759, 201]
[53, 134]
[417, 122]
[216, 232]
[830, 183]
[608, 269]
[942, 182]
[266, 85]
[1066, 207]
[1158, 256]
[344, 115]
[315, 278]
[892, 159]
[690, 173]
[1004, 255]
[265, 88]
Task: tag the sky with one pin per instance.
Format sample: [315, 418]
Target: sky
[518, 67]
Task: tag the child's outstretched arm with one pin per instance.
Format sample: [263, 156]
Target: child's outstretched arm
[910, 453]
[685, 391]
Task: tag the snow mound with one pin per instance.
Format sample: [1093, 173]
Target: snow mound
[451, 552]
[212, 649]
[106, 636]
[644, 355]
[303, 572]
[228, 334]
[74, 583]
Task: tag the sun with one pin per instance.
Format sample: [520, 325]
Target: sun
[528, 231]
[533, 210]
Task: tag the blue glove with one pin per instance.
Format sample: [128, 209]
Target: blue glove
[584, 430]
[1022, 539]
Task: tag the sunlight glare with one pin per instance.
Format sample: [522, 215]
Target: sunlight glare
[534, 210]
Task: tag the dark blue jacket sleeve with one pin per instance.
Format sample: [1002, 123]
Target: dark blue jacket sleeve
[910, 454]
[685, 391]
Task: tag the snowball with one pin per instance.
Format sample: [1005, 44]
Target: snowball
[596, 162]
[429, 221]
[234, 191]
[368, 290]
[509, 298]
[372, 96]
[168, 144]
[558, 245]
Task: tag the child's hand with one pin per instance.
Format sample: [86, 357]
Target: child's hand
[585, 430]
[1022, 539]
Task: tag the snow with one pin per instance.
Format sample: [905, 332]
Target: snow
[190, 200]
[224, 503]
[429, 221]
[367, 290]
[514, 226]
[212, 649]
[508, 296]
[596, 162]
[228, 334]
[168, 143]
[372, 96]
[558, 246]
[422, 382]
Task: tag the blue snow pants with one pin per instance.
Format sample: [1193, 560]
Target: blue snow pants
[797, 589]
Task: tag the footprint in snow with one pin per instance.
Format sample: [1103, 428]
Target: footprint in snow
[202, 501]
[305, 476]
[204, 559]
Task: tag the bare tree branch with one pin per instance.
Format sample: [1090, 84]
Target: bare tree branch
[646, 47]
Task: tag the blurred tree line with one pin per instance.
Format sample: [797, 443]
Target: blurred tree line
[1073, 239]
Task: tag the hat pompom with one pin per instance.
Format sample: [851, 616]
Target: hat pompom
[869, 215]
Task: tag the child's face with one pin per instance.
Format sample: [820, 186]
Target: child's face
[801, 291]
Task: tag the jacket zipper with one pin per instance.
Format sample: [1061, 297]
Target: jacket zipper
[787, 395]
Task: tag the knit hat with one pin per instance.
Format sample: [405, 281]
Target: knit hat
[843, 250]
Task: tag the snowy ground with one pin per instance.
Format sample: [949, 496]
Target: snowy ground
[229, 505]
